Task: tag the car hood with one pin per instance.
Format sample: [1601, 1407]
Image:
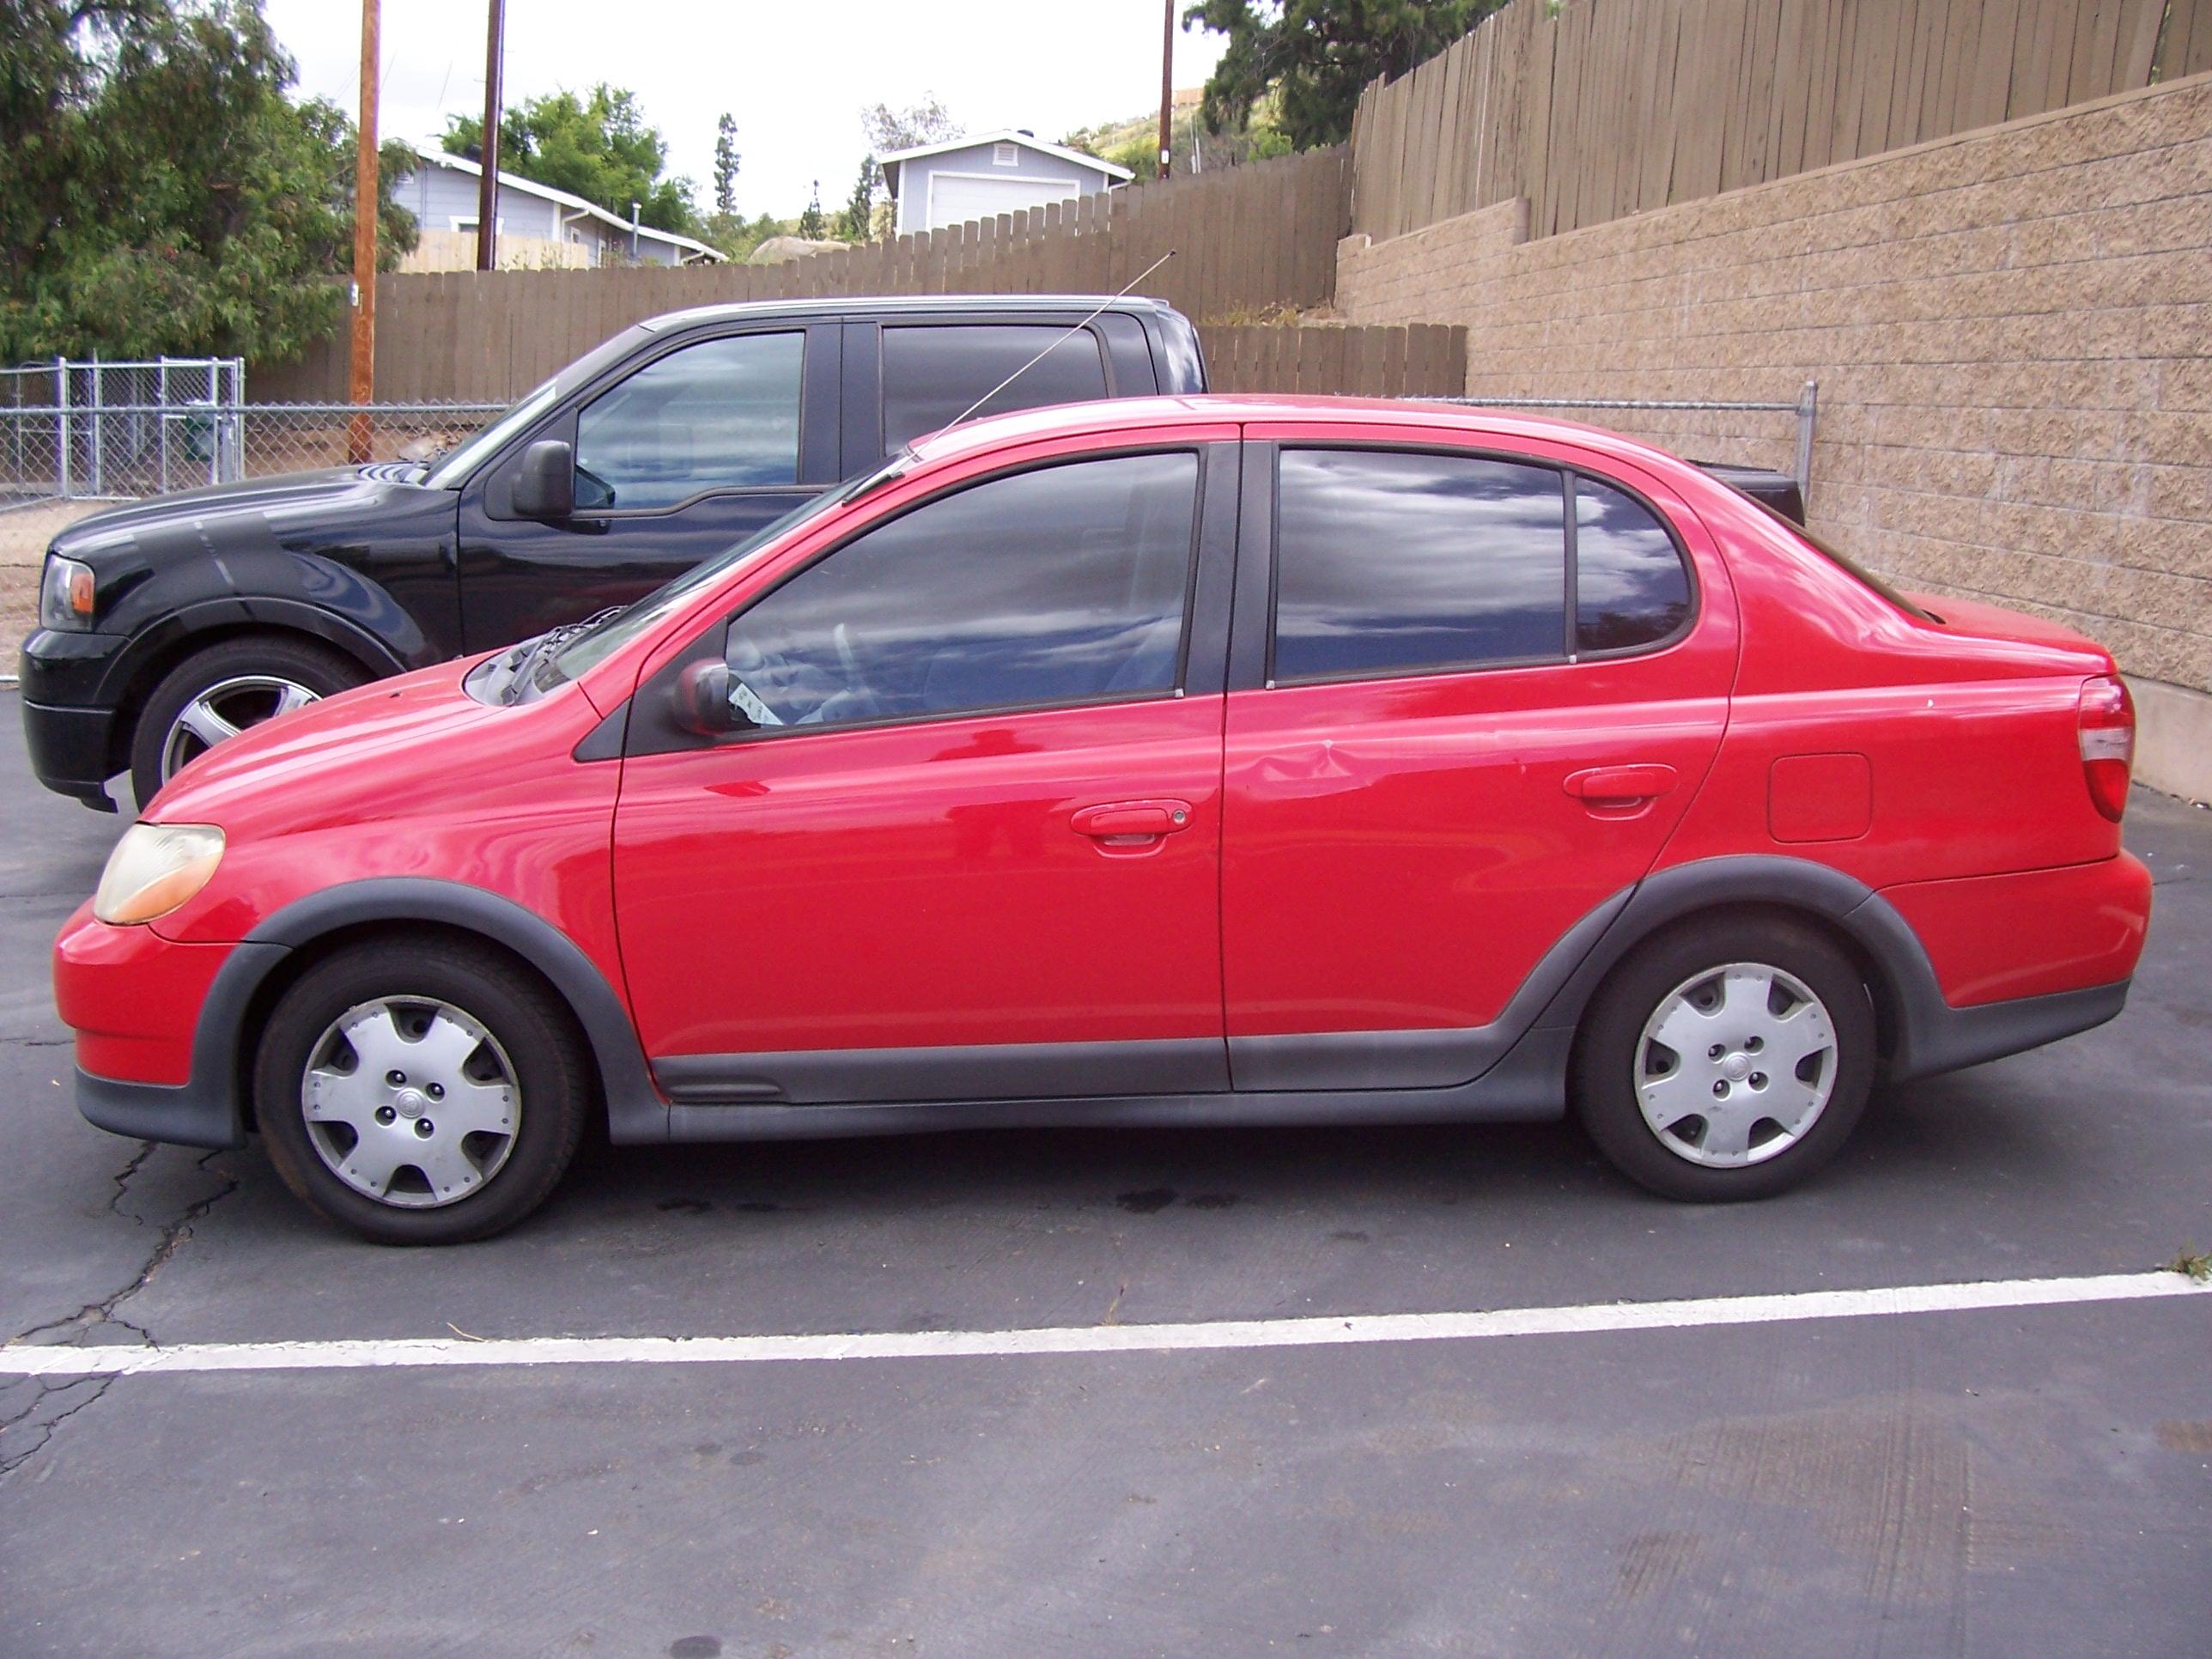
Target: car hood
[322, 763]
[351, 494]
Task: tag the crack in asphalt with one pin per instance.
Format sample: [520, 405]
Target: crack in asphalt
[103, 1312]
[15, 1460]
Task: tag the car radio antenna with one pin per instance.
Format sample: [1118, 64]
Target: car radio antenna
[1056, 344]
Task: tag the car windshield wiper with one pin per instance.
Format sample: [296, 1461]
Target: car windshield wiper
[526, 664]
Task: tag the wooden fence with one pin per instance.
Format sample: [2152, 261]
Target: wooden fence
[1426, 360]
[1243, 239]
[1593, 111]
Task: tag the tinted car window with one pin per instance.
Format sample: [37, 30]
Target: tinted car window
[1064, 585]
[1390, 563]
[930, 376]
[717, 415]
[1629, 586]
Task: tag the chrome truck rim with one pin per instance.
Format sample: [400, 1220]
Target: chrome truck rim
[225, 709]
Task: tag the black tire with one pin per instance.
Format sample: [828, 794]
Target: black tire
[540, 1040]
[1606, 1072]
[303, 662]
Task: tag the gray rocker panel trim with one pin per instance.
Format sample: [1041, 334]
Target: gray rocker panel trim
[1522, 1088]
[993, 1071]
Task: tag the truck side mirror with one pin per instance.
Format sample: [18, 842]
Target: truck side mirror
[702, 700]
[545, 487]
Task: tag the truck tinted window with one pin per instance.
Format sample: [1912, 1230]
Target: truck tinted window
[1392, 563]
[1629, 586]
[931, 375]
[1063, 585]
[720, 415]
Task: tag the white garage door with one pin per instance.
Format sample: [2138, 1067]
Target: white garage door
[956, 197]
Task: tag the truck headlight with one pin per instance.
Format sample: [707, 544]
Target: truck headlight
[65, 594]
[154, 868]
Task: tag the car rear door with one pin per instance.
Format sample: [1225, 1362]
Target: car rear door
[972, 850]
[684, 451]
[1453, 732]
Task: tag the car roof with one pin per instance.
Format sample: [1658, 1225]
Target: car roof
[1384, 414]
[900, 305]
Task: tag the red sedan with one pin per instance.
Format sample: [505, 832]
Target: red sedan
[1188, 761]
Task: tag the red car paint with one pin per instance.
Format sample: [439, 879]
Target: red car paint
[1390, 854]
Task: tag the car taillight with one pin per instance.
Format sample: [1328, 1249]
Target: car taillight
[2108, 743]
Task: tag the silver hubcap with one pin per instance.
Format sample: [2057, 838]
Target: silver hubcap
[225, 709]
[1735, 1065]
[411, 1102]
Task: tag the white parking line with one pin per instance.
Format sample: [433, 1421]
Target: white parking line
[1322, 1332]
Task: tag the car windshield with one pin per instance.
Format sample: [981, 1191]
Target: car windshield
[594, 645]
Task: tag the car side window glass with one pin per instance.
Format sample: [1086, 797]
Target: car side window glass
[1063, 585]
[720, 415]
[1630, 587]
[931, 375]
[1392, 561]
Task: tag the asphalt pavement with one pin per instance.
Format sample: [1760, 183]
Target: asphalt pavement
[2001, 1480]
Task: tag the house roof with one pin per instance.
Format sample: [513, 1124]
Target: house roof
[1007, 135]
[432, 156]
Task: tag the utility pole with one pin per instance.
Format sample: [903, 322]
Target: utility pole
[1167, 87]
[361, 378]
[487, 187]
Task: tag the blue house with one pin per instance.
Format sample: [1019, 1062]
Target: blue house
[538, 225]
[934, 185]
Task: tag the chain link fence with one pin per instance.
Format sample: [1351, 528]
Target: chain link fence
[193, 433]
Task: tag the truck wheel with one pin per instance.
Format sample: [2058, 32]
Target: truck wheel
[421, 1092]
[1728, 1059]
[217, 693]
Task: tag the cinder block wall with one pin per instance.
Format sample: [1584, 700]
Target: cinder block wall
[2011, 330]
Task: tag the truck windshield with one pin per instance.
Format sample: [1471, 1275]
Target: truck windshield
[451, 470]
[454, 466]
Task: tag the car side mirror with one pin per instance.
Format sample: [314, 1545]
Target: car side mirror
[545, 487]
[702, 701]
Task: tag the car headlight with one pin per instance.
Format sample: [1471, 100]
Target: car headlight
[65, 593]
[154, 868]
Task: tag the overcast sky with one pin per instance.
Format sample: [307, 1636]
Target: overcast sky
[795, 76]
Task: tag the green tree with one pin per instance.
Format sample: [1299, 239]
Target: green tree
[726, 164]
[1317, 54]
[160, 192]
[812, 225]
[857, 222]
[600, 146]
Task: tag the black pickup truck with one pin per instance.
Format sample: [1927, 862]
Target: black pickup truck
[169, 624]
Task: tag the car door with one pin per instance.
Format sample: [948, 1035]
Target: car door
[678, 456]
[970, 850]
[1471, 695]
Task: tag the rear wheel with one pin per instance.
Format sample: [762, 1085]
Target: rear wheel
[421, 1092]
[217, 693]
[1729, 1059]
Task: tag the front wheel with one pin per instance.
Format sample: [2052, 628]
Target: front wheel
[1729, 1059]
[421, 1092]
[216, 693]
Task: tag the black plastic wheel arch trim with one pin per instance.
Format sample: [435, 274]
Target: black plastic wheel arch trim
[209, 1109]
